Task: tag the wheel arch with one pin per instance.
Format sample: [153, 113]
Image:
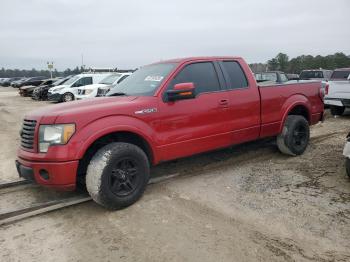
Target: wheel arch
[104, 138]
[296, 105]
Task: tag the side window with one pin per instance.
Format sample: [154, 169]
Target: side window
[86, 81]
[203, 75]
[283, 78]
[237, 78]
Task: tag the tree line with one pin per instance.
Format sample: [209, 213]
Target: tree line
[295, 65]
[33, 72]
[281, 62]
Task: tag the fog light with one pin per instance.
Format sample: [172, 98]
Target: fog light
[44, 174]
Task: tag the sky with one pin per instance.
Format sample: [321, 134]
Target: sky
[128, 34]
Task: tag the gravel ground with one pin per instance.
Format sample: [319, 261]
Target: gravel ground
[245, 203]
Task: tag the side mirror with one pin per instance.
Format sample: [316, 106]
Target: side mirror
[181, 91]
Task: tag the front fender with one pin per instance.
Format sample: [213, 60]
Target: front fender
[111, 124]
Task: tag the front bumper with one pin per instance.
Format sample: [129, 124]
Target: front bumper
[54, 97]
[57, 175]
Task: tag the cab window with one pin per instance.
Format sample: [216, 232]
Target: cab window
[203, 75]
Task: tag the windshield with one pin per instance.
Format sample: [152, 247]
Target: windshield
[60, 81]
[109, 80]
[340, 75]
[145, 81]
[72, 80]
[311, 74]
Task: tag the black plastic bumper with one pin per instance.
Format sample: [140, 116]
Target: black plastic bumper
[25, 172]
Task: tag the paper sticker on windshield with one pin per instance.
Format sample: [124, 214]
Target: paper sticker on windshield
[154, 78]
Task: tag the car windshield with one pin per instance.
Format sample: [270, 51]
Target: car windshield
[145, 81]
[60, 81]
[109, 80]
[311, 74]
[72, 80]
[340, 75]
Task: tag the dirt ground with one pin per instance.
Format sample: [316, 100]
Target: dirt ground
[245, 203]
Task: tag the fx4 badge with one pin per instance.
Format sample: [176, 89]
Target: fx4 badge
[146, 111]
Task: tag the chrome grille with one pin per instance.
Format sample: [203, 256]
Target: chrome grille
[27, 134]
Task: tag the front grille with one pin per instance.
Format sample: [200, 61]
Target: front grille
[27, 134]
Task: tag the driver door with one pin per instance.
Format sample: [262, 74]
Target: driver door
[191, 126]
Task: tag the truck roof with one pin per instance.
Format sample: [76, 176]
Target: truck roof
[197, 58]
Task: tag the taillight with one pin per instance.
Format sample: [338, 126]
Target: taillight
[326, 89]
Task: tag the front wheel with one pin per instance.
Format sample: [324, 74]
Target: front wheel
[117, 175]
[67, 97]
[337, 110]
[295, 136]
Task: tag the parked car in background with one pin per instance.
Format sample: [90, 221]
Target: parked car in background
[40, 92]
[163, 111]
[292, 76]
[346, 153]
[33, 81]
[2, 80]
[10, 80]
[337, 96]
[340, 74]
[28, 90]
[17, 83]
[316, 74]
[271, 77]
[67, 91]
[90, 91]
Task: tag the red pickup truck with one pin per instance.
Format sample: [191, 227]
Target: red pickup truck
[163, 111]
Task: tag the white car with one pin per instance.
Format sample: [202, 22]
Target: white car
[69, 89]
[338, 96]
[90, 91]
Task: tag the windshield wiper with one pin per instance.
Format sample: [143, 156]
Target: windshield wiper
[117, 94]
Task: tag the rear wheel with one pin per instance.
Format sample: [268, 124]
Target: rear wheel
[117, 175]
[67, 97]
[295, 136]
[337, 110]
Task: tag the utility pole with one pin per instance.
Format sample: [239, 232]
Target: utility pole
[50, 67]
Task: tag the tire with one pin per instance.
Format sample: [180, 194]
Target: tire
[347, 166]
[295, 136]
[337, 110]
[117, 175]
[67, 97]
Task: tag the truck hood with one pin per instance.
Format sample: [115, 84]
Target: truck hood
[54, 89]
[72, 111]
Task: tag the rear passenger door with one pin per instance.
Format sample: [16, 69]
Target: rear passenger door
[244, 103]
[200, 124]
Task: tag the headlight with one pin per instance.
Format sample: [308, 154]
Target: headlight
[88, 91]
[54, 135]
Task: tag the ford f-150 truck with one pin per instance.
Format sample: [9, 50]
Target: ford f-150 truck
[164, 111]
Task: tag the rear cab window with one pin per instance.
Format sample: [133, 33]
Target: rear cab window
[202, 74]
[234, 75]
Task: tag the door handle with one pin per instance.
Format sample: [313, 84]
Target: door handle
[223, 102]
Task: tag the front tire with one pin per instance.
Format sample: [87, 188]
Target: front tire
[337, 110]
[117, 175]
[295, 136]
[67, 97]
